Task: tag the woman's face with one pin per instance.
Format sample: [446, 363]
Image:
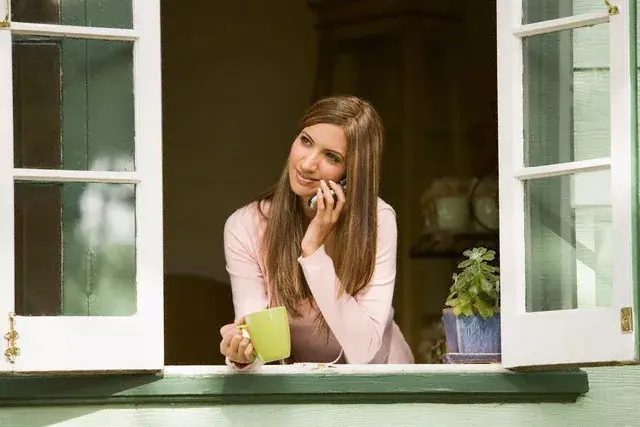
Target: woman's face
[319, 152]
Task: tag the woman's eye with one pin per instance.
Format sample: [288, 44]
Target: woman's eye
[305, 140]
[333, 158]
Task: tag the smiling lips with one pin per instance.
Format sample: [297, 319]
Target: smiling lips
[305, 181]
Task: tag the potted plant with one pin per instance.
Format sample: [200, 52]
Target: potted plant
[472, 321]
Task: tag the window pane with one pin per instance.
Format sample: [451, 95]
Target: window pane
[566, 96]
[75, 249]
[73, 104]
[88, 13]
[544, 10]
[568, 238]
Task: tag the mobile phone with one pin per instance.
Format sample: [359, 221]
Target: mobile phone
[313, 201]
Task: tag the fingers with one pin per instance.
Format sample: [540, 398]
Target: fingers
[223, 347]
[321, 206]
[327, 215]
[237, 348]
[230, 326]
[226, 328]
[234, 346]
[248, 353]
[242, 347]
[326, 198]
[332, 208]
[226, 340]
[245, 351]
[337, 189]
[228, 332]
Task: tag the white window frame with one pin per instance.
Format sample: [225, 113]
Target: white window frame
[78, 343]
[585, 335]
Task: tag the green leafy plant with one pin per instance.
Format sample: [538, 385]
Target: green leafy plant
[477, 288]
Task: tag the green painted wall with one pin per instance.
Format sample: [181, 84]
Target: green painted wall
[613, 401]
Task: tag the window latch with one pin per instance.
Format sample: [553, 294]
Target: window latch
[626, 320]
[12, 350]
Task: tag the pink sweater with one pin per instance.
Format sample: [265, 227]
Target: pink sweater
[362, 328]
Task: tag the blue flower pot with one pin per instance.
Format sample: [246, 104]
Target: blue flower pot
[450, 330]
[471, 334]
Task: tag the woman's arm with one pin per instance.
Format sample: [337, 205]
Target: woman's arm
[241, 246]
[247, 283]
[357, 323]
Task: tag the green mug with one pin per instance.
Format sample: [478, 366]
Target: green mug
[269, 333]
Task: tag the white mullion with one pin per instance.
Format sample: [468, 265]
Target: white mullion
[148, 150]
[622, 170]
[71, 31]
[570, 22]
[7, 265]
[559, 169]
[56, 175]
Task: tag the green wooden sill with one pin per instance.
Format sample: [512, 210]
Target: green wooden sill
[295, 384]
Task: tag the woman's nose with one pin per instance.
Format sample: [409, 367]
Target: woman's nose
[309, 163]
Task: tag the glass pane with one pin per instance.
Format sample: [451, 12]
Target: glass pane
[73, 104]
[568, 238]
[87, 13]
[566, 96]
[75, 249]
[544, 10]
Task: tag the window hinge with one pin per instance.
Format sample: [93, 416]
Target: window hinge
[626, 320]
[6, 23]
[12, 351]
[613, 10]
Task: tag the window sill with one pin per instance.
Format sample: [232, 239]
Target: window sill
[296, 384]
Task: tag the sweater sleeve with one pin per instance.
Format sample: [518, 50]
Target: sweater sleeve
[358, 323]
[241, 252]
[247, 282]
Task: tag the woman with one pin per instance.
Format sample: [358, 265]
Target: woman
[333, 265]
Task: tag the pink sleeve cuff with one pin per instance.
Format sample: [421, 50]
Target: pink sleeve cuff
[251, 367]
[316, 258]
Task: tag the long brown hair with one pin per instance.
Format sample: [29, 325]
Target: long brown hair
[355, 234]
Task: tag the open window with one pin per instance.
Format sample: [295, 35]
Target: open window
[568, 192]
[81, 186]
[81, 236]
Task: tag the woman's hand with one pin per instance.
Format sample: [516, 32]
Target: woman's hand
[234, 346]
[327, 214]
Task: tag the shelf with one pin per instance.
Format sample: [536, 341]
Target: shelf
[452, 245]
